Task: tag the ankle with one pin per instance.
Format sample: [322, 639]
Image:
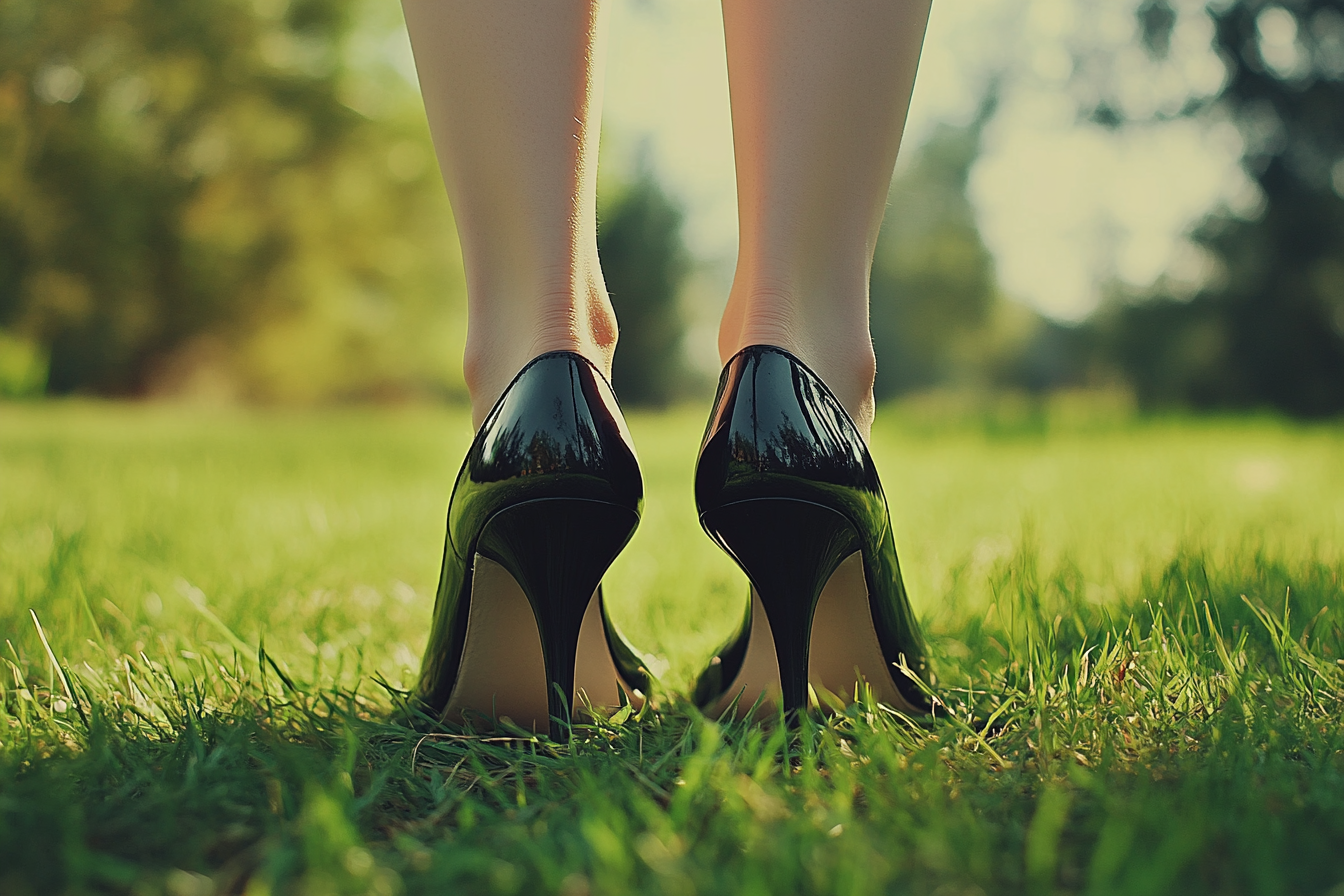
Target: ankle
[503, 337]
[831, 337]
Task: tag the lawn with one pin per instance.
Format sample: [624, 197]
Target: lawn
[1137, 627]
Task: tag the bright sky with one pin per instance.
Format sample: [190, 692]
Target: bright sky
[1062, 205]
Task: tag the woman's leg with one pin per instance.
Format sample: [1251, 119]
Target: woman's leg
[513, 91]
[819, 97]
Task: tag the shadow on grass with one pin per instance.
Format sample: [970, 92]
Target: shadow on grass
[1187, 740]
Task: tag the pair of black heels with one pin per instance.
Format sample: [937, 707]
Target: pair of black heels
[550, 492]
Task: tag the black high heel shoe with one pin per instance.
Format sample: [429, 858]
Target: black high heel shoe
[548, 495]
[786, 486]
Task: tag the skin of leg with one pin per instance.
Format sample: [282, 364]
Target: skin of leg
[513, 92]
[819, 94]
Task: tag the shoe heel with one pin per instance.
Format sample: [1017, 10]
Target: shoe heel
[788, 548]
[558, 550]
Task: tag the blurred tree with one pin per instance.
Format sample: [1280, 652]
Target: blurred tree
[188, 186]
[644, 263]
[1268, 330]
[933, 284]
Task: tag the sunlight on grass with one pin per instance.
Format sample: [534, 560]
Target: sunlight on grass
[322, 532]
[1135, 626]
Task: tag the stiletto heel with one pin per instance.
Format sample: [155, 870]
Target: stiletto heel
[788, 549]
[557, 551]
[786, 486]
[548, 495]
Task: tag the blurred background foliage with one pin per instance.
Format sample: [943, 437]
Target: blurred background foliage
[645, 266]
[216, 198]
[1267, 328]
[238, 200]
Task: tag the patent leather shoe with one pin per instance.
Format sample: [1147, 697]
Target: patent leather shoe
[786, 486]
[548, 495]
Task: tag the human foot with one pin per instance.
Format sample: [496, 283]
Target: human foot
[826, 330]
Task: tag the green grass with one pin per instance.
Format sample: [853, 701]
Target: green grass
[1149, 612]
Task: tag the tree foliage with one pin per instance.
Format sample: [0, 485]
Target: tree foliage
[933, 286]
[644, 263]
[1268, 329]
[188, 186]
